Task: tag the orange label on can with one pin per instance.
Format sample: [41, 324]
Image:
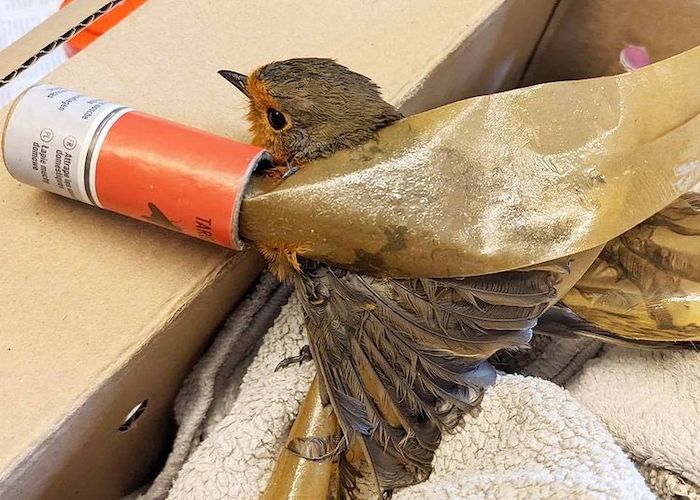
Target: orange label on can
[129, 162]
[174, 176]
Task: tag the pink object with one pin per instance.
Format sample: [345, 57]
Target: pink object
[634, 57]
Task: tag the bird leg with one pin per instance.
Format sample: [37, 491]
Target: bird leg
[290, 171]
[276, 173]
[304, 355]
[281, 172]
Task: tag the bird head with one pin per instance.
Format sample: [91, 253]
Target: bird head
[307, 108]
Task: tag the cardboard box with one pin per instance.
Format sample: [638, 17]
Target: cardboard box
[100, 312]
[584, 38]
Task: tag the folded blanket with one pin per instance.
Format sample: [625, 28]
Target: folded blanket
[532, 439]
[214, 382]
[650, 403]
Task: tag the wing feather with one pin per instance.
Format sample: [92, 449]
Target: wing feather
[403, 360]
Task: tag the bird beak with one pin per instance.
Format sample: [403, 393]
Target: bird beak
[238, 80]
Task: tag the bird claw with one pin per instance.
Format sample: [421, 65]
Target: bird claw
[290, 172]
[304, 355]
[275, 173]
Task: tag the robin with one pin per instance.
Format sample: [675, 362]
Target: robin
[303, 109]
[400, 360]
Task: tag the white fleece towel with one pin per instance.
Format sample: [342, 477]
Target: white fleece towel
[531, 439]
[650, 402]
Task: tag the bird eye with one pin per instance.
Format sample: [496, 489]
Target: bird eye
[276, 119]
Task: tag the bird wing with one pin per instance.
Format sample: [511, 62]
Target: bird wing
[645, 285]
[401, 360]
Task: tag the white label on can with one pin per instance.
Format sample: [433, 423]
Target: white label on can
[50, 137]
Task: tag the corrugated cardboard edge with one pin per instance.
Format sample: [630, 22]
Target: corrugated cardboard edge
[31, 44]
[104, 409]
